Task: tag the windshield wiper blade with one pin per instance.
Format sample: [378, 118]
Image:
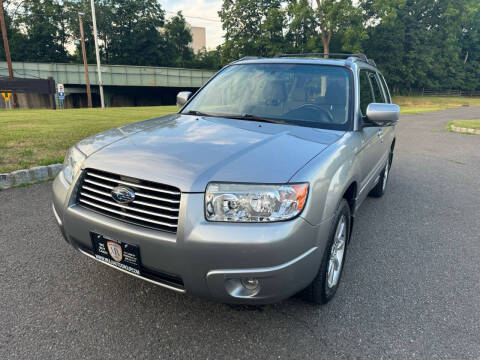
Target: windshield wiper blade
[248, 117]
[198, 113]
[256, 118]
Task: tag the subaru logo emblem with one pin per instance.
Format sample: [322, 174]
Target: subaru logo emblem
[123, 194]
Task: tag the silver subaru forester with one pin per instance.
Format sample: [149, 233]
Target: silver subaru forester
[249, 193]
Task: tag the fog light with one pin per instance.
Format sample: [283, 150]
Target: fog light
[250, 284]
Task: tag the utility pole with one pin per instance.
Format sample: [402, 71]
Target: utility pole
[97, 51]
[85, 64]
[7, 49]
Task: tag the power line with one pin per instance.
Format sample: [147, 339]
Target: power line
[195, 17]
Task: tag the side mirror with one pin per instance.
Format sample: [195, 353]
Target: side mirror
[182, 98]
[383, 114]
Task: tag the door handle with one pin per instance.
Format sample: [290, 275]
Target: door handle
[380, 134]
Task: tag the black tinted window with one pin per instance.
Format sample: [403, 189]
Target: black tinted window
[366, 92]
[377, 89]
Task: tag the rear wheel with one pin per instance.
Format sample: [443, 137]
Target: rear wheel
[325, 284]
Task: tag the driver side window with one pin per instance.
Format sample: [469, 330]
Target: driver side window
[366, 91]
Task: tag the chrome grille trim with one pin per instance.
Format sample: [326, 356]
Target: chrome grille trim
[155, 205]
[136, 193]
[157, 198]
[99, 184]
[134, 201]
[126, 207]
[125, 214]
[133, 184]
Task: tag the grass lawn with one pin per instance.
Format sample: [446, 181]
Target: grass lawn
[41, 137]
[419, 104]
[469, 124]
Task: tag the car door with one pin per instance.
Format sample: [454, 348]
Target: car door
[388, 132]
[372, 145]
[380, 97]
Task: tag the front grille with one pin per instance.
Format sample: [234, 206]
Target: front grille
[155, 205]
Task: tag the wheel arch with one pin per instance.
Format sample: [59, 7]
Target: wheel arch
[350, 195]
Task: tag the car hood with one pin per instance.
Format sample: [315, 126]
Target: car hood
[190, 151]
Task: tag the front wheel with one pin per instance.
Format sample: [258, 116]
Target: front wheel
[325, 284]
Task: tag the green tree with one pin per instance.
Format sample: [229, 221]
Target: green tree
[178, 40]
[76, 7]
[302, 27]
[423, 44]
[470, 50]
[207, 59]
[451, 24]
[44, 23]
[340, 17]
[131, 32]
[400, 46]
[128, 31]
[272, 41]
[15, 38]
[248, 25]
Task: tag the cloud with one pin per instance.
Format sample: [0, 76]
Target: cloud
[202, 13]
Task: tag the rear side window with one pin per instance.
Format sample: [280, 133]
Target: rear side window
[377, 88]
[385, 87]
[366, 91]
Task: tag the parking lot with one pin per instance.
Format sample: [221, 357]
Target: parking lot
[411, 286]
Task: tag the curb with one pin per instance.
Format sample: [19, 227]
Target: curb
[28, 176]
[464, 130]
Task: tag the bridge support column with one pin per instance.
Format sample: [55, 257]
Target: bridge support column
[108, 97]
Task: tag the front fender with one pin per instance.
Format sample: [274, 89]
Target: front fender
[340, 182]
[329, 174]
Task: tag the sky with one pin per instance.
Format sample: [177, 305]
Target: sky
[202, 13]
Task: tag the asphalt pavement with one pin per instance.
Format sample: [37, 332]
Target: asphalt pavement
[411, 286]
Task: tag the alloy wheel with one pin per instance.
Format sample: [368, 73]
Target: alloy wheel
[337, 253]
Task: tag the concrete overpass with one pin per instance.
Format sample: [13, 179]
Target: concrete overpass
[123, 84]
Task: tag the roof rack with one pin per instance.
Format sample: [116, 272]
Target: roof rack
[359, 56]
[247, 58]
[347, 56]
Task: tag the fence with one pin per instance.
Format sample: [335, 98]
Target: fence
[448, 93]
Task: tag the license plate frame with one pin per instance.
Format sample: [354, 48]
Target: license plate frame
[116, 253]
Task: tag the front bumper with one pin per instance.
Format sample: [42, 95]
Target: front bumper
[209, 258]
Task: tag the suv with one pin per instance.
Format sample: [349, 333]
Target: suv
[249, 193]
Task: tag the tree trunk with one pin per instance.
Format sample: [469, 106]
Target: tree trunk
[326, 37]
[326, 48]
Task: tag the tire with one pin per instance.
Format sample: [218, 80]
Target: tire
[325, 285]
[379, 190]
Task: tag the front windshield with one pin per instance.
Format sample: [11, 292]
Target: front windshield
[298, 94]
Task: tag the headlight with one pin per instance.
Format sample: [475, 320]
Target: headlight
[254, 203]
[72, 163]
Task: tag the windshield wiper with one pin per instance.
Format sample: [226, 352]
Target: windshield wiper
[251, 117]
[198, 113]
[248, 117]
